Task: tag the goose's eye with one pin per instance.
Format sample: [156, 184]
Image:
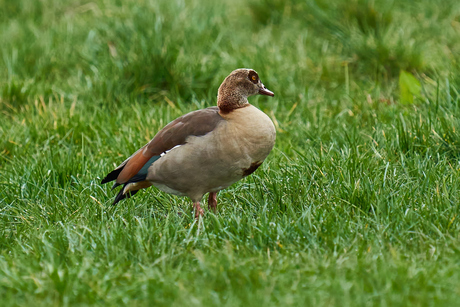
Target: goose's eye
[253, 77]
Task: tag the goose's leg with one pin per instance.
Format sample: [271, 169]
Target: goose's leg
[198, 211]
[212, 201]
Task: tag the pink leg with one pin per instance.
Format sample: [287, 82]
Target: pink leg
[198, 211]
[212, 201]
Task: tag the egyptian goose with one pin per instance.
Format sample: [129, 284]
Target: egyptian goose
[204, 151]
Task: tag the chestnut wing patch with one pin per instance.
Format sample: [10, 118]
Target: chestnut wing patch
[251, 169]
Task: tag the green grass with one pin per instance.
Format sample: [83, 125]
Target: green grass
[357, 205]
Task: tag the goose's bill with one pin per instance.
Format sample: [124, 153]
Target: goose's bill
[264, 91]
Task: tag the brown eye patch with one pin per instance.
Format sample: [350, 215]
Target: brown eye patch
[253, 77]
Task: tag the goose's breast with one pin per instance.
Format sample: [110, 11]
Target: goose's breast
[252, 131]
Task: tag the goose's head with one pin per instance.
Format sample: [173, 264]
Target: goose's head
[237, 87]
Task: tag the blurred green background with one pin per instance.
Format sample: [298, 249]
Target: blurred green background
[357, 205]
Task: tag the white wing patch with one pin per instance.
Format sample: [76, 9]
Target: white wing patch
[163, 153]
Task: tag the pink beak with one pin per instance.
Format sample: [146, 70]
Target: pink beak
[265, 91]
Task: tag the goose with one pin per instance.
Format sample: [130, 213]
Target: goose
[204, 151]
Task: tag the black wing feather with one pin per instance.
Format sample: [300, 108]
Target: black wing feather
[121, 196]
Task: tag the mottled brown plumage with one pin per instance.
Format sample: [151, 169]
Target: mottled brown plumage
[205, 150]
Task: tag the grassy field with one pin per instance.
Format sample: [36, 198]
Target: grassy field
[357, 205]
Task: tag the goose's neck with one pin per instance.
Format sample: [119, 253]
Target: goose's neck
[227, 101]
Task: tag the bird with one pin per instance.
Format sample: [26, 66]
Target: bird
[203, 151]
